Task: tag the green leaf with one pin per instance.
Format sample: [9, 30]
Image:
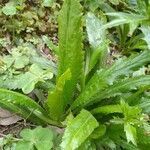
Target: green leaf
[9, 9]
[95, 34]
[24, 106]
[24, 67]
[68, 119]
[70, 45]
[20, 60]
[35, 74]
[17, 59]
[146, 32]
[107, 109]
[97, 39]
[24, 145]
[123, 86]
[55, 104]
[131, 113]
[78, 130]
[132, 116]
[41, 138]
[123, 18]
[100, 54]
[47, 3]
[106, 77]
[130, 133]
[98, 132]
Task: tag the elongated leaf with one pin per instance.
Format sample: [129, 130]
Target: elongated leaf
[55, 103]
[124, 87]
[70, 44]
[97, 39]
[123, 18]
[107, 109]
[104, 78]
[78, 130]
[93, 27]
[24, 106]
[146, 32]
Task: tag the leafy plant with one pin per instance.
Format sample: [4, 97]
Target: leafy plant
[22, 69]
[91, 84]
[39, 138]
[74, 136]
